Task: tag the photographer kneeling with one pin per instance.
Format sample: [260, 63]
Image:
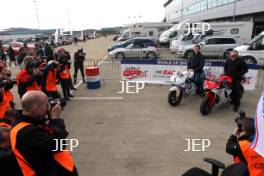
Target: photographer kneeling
[238, 145]
[33, 138]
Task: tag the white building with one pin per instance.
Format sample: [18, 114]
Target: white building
[217, 10]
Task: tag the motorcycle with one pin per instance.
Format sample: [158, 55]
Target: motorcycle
[216, 93]
[182, 85]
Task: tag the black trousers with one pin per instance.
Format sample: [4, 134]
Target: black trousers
[65, 85]
[78, 67]
[236, 87]
[53, 95]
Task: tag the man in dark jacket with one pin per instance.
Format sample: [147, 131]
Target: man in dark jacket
[235, 68]
[196, 63]
[8, 163]
[48, 52]
[79, 58]
[37, 142]
[2, 54]
[11, 54]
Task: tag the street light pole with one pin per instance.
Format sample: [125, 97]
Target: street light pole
[182, 11]
[234, 14]
[69, 20]
[35, 3]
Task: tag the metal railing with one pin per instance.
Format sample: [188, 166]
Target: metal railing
[109, 69]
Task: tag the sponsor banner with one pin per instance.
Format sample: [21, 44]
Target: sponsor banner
[160, 71]
[258, 144]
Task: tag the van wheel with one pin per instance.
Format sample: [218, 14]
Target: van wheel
[250, 59]
[188, 54]
[151, 55]
[120, 55]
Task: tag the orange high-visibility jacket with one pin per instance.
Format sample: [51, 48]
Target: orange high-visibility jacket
[4, 106]
[51, 81]
[254, 160]
[65, 74]
[63, 158]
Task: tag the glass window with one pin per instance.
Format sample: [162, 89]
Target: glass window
[210, 41]
[214, 3]
[219, 2]
[209, 4]
[226, 41]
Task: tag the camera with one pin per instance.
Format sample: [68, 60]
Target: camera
[240, 118]
[53, 102]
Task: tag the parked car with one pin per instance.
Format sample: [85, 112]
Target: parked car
[254, 51]
[211, 47]
[135, 51]
[137, 41]
[116, 37]
[16, 46]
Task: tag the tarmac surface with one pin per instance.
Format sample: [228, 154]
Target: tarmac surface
[141, 134]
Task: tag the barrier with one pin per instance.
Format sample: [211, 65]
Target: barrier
[160, 71]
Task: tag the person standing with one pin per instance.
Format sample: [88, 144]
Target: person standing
[11, 55]
[2, 54]
[51, 79]
[64, 75]
[235, 68]
[79, 58]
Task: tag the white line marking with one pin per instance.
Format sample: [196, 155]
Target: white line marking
[79, 83]
[98, 98]
[103, 60]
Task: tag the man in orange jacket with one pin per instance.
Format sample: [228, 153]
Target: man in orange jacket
[239, 146]
[35, 144]
[51, 78]
[29, 78]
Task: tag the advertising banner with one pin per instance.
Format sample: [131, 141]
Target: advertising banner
[160, 71]
[258, 144]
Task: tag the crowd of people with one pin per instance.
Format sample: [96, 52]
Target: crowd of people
[28, 136]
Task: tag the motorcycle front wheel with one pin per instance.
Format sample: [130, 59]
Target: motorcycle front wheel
[175, 97]
[205, 107]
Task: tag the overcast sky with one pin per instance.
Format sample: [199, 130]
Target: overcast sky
[83, 13]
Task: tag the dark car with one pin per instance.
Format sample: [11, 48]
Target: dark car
[147, 41]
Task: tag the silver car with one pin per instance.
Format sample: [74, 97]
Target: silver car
[135, 52]
[211, 47]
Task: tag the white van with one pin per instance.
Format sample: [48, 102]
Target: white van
[167, 36]
[253, 52]
[152, 30]
[238, 30]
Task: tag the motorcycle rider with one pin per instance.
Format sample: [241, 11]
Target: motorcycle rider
[235, 68]
[196, 63]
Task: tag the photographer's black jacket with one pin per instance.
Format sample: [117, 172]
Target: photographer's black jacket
[8, 164]
[35, 143]
[233, 148]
